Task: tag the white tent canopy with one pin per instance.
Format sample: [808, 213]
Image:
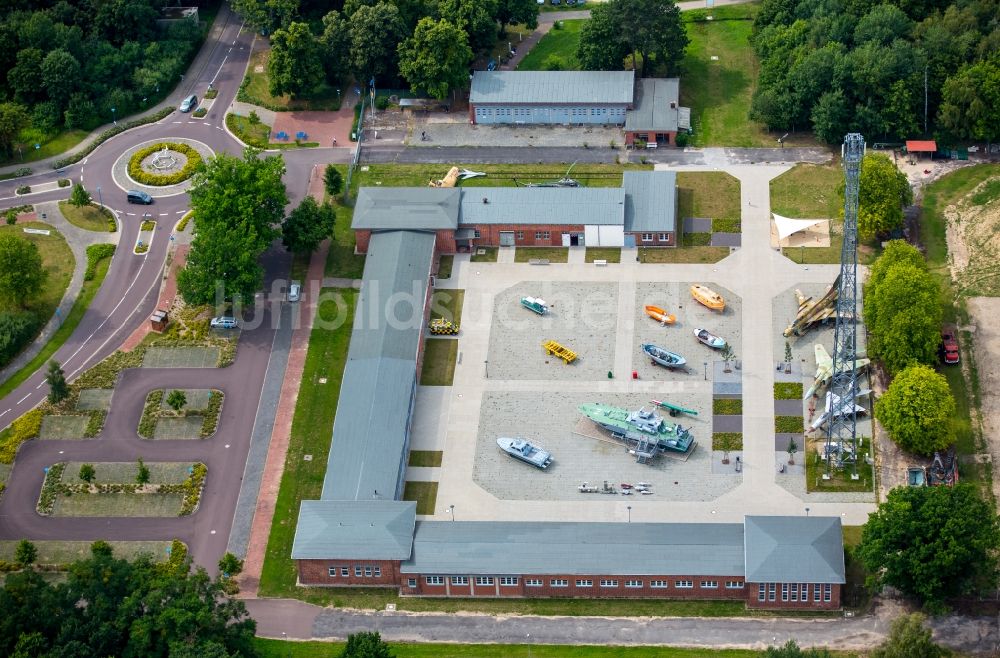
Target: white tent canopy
[787, 227]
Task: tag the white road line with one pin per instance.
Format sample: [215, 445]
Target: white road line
[164, 214]
[130, 214]
[24, 398]
[4, 413]
[39, 385]
[220, 69]
[178, 122]
[179, 212]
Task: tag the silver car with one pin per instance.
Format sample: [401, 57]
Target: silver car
[223, 322]
[189, 103]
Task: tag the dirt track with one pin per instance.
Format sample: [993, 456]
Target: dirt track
[986, 343]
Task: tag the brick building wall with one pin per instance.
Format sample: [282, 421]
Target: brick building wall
[657, 239]
[360, 573]
[444, 242]
[651, 136]
[788, 596]
[533, 235]
[362, 237]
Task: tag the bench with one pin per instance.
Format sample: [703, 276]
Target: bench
[538, 261]
[601, 263]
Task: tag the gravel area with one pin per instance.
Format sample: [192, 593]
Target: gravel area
[582, 318]
[95, 399]
[197, 399]
[551, 418]
[63, 427]
[675, 298]
[462, 133]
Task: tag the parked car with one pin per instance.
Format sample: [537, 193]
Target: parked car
[949, 347]
[189, 103]
[138, 196]
[294, 291]
[223, 322]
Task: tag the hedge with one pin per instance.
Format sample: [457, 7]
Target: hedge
[181, 225]
[23, 429]
[192, 489]
[50, 488]
[95, 254]
[23, 189]
[140, 175]
[727, 407]
[64, 182]
[17, 329]
[788, 425]
[147, 424]
[200, 112]
[108, 134]
[211, 420]
[787, 391]
[727, 441]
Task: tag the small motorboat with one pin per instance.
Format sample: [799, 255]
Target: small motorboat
[665, 358]
[660, 315]
[525, 451]
[625, 485]
[708, 297]
[709, 339]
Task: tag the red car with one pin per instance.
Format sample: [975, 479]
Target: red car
[949, 346]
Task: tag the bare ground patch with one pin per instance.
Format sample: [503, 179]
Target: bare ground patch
[986, 344]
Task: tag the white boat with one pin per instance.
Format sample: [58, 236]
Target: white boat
[525, 451]
[709, 339]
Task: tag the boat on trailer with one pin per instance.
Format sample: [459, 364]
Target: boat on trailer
[525, 451]
[664, 357]
[708, 338]
[708, 297]
[660, 315]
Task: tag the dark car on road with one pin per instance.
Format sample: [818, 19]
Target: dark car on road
[949, 347]
[138, 196]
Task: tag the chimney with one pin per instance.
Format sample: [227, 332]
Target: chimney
[673, 105]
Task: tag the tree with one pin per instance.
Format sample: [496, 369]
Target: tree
[831, 117]
[791, 650]
[728, 355]
[60, 75]
[375, 31]
[79, 197]
[238, 202]
[909, 637]
[21, 272]
[230, 565]
[651, 27]
[294, 65]
[332, 180]
[896, 252]
[87, 473]
[56, 379]
[916, 410]
[476, 17]
[308, 225]
[25, 554]
[142, 472]
[883, 193]
[883, 24]
[335, 46]
[13, 119]
[970, 101]
[932, 543]
[517, 12]
[24, 77]
[602, 47]
[792, 448]
[436, 58]
[365, 645]
[176, 399]
[905, 317]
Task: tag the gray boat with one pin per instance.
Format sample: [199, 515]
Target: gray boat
[527, 452]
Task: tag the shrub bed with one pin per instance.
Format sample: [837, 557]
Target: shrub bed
[23, 189]
[147, 424]
[787, 391]
[211, 93]
[108, 134]
[23, 429]
[141, 248]
[95, 254]
[64, 182]
[140, 175]
[51, 487]
[696, 239]
[192, 489]
[727, 407]
[727, 441]
[95, 423]
[147, 225]
[181, 225]
[211, 420]
[200, 113]
[241, 126]
[788, 425]
[726, 225]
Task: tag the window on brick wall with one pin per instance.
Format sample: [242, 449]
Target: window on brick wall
[368, 572]
[735, 584]
[827, 592]
[519, 235]
[816, 593]
[633, 583]
[760, 592]
[710, 584]
[784, 591]
[663, 237]
[559, 582]
[584, 583]
[459, 580]
[533, 582]
[332, 572]
[357, 571]
[804, 591]
[411, 582]
[541, 235]
[378, 572]
[484, 580]
[647, 237]
[684, 584]
[658, 584]
[434, 580]
[508, 581]
[609, 583]
[771, 588]
[795, 591]
[477, 234]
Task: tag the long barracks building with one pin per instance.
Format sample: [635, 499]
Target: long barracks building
[359, 533]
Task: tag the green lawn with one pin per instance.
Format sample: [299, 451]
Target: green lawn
[61, 552]
[425, 458]
[556, 51]
[445, 265]
[707, 194]
[325, 97]
[341, 261]
[89, 218]
[438, 367]
[840, 480]
[447, 303]
[253, 134]
[682, 254]
[808, 191]
[312, 423]
[552, 254]
[610, 254]
[489, 255]
[424, 493]
[287, 649]
[56, 145]
[64, 331]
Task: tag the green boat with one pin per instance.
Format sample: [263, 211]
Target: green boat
[643, 431]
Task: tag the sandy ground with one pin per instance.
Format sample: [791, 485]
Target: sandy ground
[675, 298]
[986, 343]
[973, 236]
[551, 420]
[582, 318]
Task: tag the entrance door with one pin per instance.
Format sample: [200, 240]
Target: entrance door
[630, 240]
[506, 238]
[565, 239]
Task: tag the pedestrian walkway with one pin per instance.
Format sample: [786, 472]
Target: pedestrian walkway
[505, 255]
[168, 292]
[577, 255]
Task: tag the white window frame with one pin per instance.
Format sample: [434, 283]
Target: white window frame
[817, 594]
[585, 583]
[483, 581]
[827, 592]
[344, 572]
[607, 582]
[659, 584]
[543, 235]
[476, 234]
[709, 584]
[634, 584]
[761, 593]
[411, 583]
[533, 582]
[684, 584]
[784, 591]
[734, 584]
[647, 237]
[434, 580]
[663, 237]
[368, 571]
[795, 592]
[771, 591]
[519, 235]
[378, 571]
[357, 571]
[459, 580]
[508, 581]
[559, 582]
[332, 572]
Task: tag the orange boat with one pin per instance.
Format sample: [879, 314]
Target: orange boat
[660, 315]
[708, 297]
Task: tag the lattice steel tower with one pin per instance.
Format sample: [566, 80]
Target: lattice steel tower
[841, 432]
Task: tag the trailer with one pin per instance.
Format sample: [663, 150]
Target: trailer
[552, 348]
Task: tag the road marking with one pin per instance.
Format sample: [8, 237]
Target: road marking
[130, 214]
[39, 385]
[178, 122]
[164, 214]
[218, 128]
[85, 160]
[212, 82]
[5, 412]
[24, 398]
[180, 212]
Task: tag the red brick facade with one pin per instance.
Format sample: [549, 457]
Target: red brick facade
[789, 596]
[526, 235]
[649, 136]
[360, 573]
[658, 239]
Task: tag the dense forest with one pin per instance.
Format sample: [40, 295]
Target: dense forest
[836, 66]
[69, 62]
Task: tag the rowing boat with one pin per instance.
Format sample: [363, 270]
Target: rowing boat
[660, 315]
[665, 358]
[709, 339]
[708, 297]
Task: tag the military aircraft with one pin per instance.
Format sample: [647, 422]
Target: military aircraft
[824, 368]
[813, 312]
[834, 407]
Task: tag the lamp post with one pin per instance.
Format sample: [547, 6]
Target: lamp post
[807, 511]
[487, 364]
[114, 118]
[704, 365]
[451, 509]
[100, 199]
[628, 508]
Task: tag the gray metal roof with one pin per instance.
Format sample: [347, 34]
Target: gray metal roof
[416, 208]
[542, 205]
[652, 109]
[472, 547]
[650, 201]
[794, 549]
[552, 87]
[367, 529]
[367, 456]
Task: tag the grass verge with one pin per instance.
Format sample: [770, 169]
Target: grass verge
[341, 261]
[64, 331]
[315, 408]
[256, 89]
[447, 303]
[727, 441]
[445, 265]
[497, 175]
[551, 254]
[556, 51]
[425, 458]
[489, 255]
[438, 367]
[89, 218]
[808, 191]
[682, 254]
[711, 194]
[840, 480]
[424, 493]
[727, 406]
[62, 552]
[57, 144]
[252, 134]
[610, 254]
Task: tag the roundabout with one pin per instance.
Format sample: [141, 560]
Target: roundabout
[162, 167]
